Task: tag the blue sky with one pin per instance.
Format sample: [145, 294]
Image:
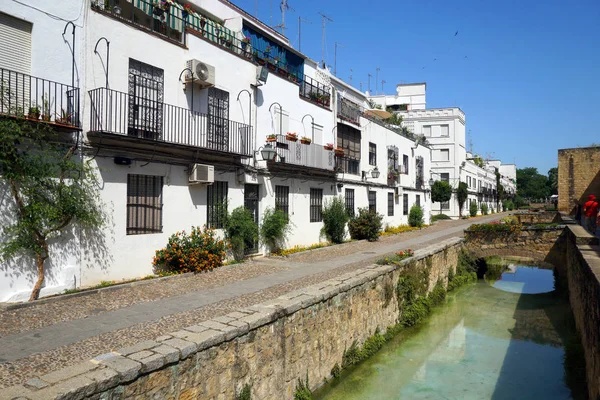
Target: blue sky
[526, 73]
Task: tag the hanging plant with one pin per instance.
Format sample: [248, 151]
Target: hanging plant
[291, 136]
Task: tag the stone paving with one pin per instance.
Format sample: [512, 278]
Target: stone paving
[39, 339]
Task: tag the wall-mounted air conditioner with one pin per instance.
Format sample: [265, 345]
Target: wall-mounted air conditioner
[204, 74]
[201, 173]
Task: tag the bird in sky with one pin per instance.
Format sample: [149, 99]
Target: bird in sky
[456, 33]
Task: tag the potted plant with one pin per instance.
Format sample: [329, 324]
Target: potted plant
[292, 77]
[339, 151]
[34, 112]
[64, 118]
[245, 42]
[305, 140]
[202, 23]
[187, 10]
[328, 146]
[46, 107]
[271, 138]
[159, 8]
[313, 96]
[267, 50]
[228, 41]
[291, 136]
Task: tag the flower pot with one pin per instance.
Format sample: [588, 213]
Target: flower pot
[271, 67]
[328, 147]
[271, 139]
[33, 115]
[260, 61]
[304, 141]
[339, 152]
[46, 118]
[291, 138]
[158, 11]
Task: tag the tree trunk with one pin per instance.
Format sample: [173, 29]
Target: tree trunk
[35, 294]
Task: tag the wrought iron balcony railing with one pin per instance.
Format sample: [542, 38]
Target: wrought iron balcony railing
[348, 111]
[315, 92]
[348, 165]
[308, 155]
[135, 116]
[38, 99]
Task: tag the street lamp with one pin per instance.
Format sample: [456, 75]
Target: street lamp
[374, 173]
[267, 152]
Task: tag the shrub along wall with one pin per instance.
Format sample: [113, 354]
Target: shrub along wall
[270, 346]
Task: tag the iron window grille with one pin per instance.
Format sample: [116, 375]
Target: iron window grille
[405, 163]
[216, 204]
[349, 197]
[282, 199]
[390, 204]
[372, 154]
[372, 201]
[418, 200]
[144, 204]
[405, 204]
[316, 205]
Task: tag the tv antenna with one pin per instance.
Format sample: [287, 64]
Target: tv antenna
[370, 84]
[351, 75]
[335, 57]
[300, 19]
[382, 82]
[361, 86]
[283, 7]
[324, 19]
[376, 80]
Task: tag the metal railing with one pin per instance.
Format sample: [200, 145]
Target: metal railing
[26, 96]
[308, 155]
[123, 114]
[348, 111]
[314, 91]
[168, 22]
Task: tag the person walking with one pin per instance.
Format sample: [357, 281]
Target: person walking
[590, 211]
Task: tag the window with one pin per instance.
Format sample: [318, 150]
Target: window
[372, 154]
[316, 205]
[282, 199]
[372, 201]
[392, 156]
[427, 130]
[349, 194]
[445, 130]
[349, 140]
[405, 164]
[442, 155]
[445, 177]
[216, 204]
[405, 204]
[144, 204]
[390, 204]
[218, 119]
[418, 200]
[145, 101]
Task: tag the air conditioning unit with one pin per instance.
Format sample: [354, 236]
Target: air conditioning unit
[262, 73]
[201, 173]
[204, 74]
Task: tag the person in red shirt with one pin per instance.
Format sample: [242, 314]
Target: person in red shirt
[590, 211]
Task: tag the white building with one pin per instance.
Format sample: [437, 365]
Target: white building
[169, 149]
[444, 129]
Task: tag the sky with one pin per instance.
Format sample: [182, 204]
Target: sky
[526, 73]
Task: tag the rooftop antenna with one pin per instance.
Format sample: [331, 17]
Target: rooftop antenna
[382, 82]
[370, 84]
[335, 57]
[351, 75]
[283, 6]
[376, 79]
[324, 19]
[256, 9]
[300, 19]
[361, 86]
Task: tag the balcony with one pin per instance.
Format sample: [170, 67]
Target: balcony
[306, 155]
[348, 111]
[38, 99]
[315, 92]
[142, 120]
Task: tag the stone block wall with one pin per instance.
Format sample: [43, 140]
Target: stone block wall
[269, 346]
[541, 217]
[583, 276]
[578, 176]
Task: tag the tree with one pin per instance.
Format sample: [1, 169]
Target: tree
[241, 231]
[553, 180]
[335, 218]
[531, 184]
[441, 191]
[462, 193]
[52, 191]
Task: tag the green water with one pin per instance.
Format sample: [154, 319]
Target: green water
[488, 341]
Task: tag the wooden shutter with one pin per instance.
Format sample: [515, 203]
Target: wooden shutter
[15, 44]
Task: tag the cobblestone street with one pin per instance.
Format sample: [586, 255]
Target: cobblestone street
[56, 333]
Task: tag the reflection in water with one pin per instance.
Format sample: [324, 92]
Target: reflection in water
[483, 343]
[527, 280]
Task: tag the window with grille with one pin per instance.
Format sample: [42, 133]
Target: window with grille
[349, 139]
[144, 204]
[445, 177]
[216, 204]
[418, 200]
[316, 205]
[390, 204]
[282, 199]
[372, 154]
[405, 204]
[372, 201]
[405, 163]
[349, 196]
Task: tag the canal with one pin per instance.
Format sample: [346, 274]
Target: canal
[509, 339]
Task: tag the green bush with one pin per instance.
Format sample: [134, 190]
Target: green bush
[302, 391]
[245, 393]
[335, 218]
[473, 209]
[241, 231]
[415, 216]
[366, 225]
[274, 229]
[510, 205]
[194, 252]
[438, 217]
[484, 209]
[336, 371]
[414, 313]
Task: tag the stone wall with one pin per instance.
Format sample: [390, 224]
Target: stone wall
[540, 217]
[583, 275]
[269, 346]
[578, 176]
